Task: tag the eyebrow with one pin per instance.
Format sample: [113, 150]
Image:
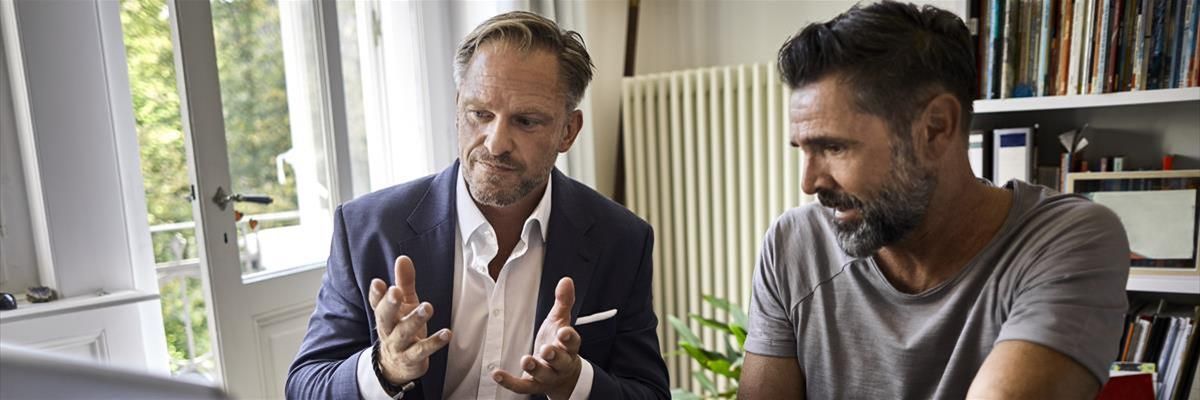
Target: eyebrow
[822, 140]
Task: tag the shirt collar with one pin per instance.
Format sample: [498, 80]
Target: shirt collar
[470, 218]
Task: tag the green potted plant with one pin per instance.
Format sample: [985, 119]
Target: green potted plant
[724, 362]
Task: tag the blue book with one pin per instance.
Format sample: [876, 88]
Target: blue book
[995, 45]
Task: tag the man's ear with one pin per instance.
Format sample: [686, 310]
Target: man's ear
[938, 126]
[574, 124]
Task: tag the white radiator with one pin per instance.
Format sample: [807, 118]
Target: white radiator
[708, 165]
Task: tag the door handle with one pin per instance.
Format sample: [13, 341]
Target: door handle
[223, 199]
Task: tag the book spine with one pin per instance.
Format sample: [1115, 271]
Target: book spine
[1101, 46]
[996, 47]
[1027, 49]
[1089, 70]
[981, 50]
[1114, 41]
[1046, 18]
[1186, 45]
[1010, 53]
[1124, 73]
[1065, 21]
[1077, 33]
[1158, 21]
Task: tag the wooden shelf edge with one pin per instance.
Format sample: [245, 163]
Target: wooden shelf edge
[1087, 101]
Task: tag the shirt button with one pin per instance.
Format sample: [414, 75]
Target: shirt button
[496, 312]
[491, 366]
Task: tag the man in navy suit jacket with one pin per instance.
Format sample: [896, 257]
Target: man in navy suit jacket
[489, 251]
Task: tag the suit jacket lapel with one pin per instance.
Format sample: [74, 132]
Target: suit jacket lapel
[567, 251]
[432, 251]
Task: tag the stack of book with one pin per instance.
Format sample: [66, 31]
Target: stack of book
[1170, 343]
[1033, 48]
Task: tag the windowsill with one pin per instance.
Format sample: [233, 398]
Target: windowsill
[26, 310]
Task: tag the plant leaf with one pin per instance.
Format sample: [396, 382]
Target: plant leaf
[734, 310]
[680, 394]
[712, 323]
[685, 333]
[706, 383]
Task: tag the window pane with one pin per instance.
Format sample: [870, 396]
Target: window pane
[276, 131]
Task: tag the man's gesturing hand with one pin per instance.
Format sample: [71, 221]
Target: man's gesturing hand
[554, 367]
[400, 318]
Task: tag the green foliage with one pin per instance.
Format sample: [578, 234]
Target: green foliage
[724, 362]
[254, 100]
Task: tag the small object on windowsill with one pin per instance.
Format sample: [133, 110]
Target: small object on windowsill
[7, 301]
[41, 294]
[1168, 162]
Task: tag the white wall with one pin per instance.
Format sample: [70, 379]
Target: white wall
[685, 34]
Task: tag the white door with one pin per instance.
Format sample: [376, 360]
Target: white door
[259, 116]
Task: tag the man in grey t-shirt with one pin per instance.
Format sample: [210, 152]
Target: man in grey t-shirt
[913, 279]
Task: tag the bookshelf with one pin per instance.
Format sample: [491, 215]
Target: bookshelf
[1139, 125]
[1139, 97]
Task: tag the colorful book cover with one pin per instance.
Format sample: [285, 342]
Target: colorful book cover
[1103, 37]
[1027, 50]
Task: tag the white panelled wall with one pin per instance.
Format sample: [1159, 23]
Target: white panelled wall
[710, 168]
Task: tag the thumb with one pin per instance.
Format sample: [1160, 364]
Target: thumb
[564, 300]
[406, 280]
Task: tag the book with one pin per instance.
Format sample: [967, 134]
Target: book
[1010, 52]
[1077, 34]
[1012, 155]
[975, 152]
[1065, 46]
[1045, 20]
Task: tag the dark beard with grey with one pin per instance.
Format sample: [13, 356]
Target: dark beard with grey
[488, 189]
[896, 210]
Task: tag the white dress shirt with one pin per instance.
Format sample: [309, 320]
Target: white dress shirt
[492, 320]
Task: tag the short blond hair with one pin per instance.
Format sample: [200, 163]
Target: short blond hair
[526, 31]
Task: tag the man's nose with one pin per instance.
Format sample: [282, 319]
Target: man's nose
[499, 137]
[816, 176]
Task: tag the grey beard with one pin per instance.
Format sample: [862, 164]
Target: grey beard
[500, 196]
[896, 210]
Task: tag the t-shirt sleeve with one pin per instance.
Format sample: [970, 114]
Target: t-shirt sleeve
[771, 332]
[1071, 297]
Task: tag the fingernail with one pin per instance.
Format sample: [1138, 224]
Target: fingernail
[444, 334]
[549, 356]
[423, 310]
[390, 298]
[496, 377]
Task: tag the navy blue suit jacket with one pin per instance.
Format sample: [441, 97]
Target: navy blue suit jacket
[603, 247]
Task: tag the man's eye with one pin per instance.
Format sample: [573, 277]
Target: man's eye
[525, 122]
[834, 149]
[480, 115]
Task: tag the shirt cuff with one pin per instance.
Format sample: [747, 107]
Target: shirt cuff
[369, 387]
[583, 387]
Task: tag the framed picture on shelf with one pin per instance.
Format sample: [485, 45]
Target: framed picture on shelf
[1158, 209]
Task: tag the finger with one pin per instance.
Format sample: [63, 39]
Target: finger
[387, 312]
[516, 385]
[569, 339]
[556, 357]
[426, 347]
[564, 299]
[406, 280]
[377, 289]
[411, 328]
[538, 370]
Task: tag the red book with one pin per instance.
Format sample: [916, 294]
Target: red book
[1128, 387]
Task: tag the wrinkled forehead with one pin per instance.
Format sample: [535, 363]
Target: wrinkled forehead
[499, 71]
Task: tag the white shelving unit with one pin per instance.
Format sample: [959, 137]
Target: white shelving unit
[1140, 97]
[1138, 122]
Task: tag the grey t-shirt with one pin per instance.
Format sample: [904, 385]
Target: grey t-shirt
[1054, 275]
